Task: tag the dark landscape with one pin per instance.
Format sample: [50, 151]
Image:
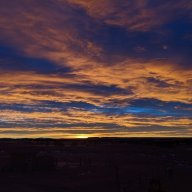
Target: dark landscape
[96, 164]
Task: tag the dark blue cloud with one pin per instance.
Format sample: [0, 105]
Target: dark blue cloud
[141, 107]
[158, 83]
[156, 107]
[48, 106]
[150, 108]
[12, 60]
[68, 105]
[169, 41]
[100, 89]
[117, 41]
[26, 107]
[178, 41]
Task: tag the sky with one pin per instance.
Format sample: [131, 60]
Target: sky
[95, 68]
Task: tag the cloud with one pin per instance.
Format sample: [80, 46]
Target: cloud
[114, 67]
[136, 15]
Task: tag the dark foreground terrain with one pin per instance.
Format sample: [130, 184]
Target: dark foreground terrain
[96, 165]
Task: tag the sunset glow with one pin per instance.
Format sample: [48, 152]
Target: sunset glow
[81, 136]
